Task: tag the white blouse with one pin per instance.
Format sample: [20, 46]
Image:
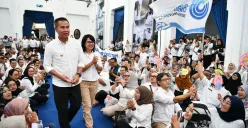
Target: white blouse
[217, 122]
[141, 117]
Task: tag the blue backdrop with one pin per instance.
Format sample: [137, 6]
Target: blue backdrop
[31, 17]
[118, 18]
[220, 16]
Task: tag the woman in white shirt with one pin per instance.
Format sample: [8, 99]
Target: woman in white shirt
[90, 76]
[230, 115]
[140, 111]
[243, 95]
[31, 84]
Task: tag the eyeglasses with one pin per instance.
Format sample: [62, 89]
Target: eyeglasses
[166, 79]
[153, 76]
[126, 75]
[226, 102]
[90, 42]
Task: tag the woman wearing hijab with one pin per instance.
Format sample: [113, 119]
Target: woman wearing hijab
[243, 95]
[230, 70]
[233, 83]
[5, 98]
[139, 112]
[230, 115]
[17, 115]
[197, 115]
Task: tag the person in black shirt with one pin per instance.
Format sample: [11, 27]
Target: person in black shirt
[113, 70]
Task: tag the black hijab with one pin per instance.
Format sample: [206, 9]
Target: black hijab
[26, 76]
[236, 111]
[232, 85]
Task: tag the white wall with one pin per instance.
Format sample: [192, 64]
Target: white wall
[5, 25]
[81, 22]
[60, 8]
[237, 28]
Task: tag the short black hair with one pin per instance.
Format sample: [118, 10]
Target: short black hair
[125, 67]
[11, 60]
[84, 39]
[35, 60]
[161, 75]
[59, 19]
[114, 59]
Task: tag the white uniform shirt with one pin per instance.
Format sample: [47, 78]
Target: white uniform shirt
[33, 43]
[91, 73]
[210, 94]
[181, 50]
[208, 49]
[64, 59]
[25, 43]
[164, 106]
[174, 51]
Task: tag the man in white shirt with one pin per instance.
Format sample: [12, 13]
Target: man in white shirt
[152, 85]
[181, 49]
[166, 102]
[63, 59]
[207, 55]
[173, 48]
[33, 44]
[25, 43]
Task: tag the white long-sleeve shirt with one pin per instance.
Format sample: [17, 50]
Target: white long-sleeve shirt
[243, 74]
[64, 58]
[141, 117]
[164, 106]
[210, 94]
[217, 122]
[125, 94]
[29, 87]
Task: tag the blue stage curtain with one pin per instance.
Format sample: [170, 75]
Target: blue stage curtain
[27, 27]
[118, 18]
[220, 16]
[50, 27]
[31, 17]
[179, 35]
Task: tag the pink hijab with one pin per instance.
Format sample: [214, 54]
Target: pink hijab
[15, 107]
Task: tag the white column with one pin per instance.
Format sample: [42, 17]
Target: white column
[166, 36]
[236, 42]
[108, 24]
[128, 21]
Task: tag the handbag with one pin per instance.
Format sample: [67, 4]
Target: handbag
[120, 116]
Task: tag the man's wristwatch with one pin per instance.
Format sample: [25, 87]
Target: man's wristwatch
[79, 74]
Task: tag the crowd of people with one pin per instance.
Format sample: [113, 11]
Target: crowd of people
[186, 87]
[22, 81]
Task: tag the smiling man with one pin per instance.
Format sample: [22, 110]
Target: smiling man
[63, 59]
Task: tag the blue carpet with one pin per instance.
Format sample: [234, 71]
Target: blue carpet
[48, 114]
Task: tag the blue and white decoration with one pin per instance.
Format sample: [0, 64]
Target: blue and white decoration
[189, 16]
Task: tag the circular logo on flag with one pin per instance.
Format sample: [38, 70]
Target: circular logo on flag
[199, 9]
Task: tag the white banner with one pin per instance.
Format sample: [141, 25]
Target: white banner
[109, 54]
[189, 16]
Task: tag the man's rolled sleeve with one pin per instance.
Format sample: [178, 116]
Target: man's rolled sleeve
[48, 59]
